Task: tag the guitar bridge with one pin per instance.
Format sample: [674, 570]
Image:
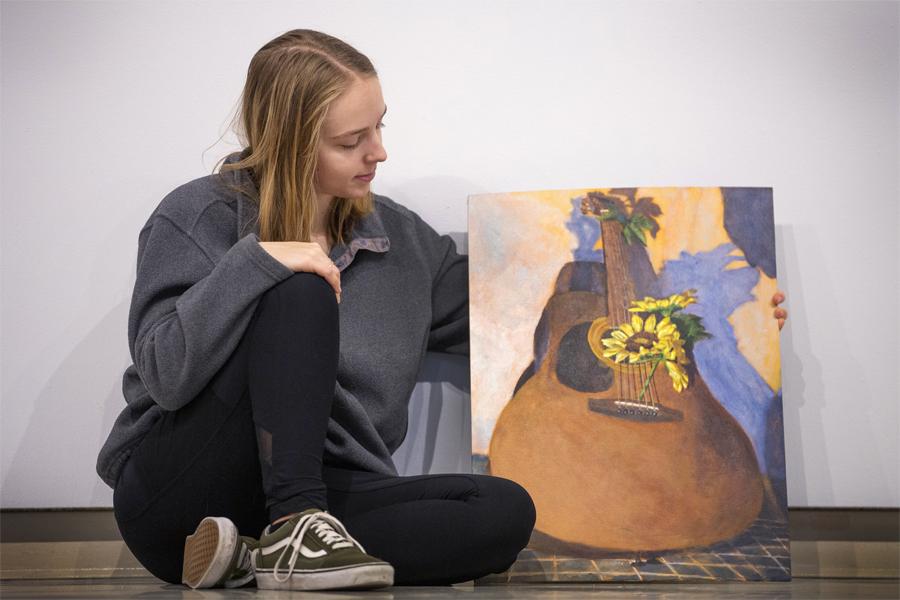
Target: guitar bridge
[634, 411]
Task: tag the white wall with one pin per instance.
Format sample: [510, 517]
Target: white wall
[108, 106]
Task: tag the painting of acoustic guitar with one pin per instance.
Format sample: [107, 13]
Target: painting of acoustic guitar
[626, 372]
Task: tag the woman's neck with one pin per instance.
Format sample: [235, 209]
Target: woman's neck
[320, 227]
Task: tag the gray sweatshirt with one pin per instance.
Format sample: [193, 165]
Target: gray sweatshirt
[201, 272]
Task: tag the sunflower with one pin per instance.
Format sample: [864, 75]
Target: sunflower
[642, 339]
[664, 305]
[649, 340]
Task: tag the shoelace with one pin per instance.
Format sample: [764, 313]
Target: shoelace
[324, 526]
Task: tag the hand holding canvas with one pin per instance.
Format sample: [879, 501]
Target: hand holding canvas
[779, 313]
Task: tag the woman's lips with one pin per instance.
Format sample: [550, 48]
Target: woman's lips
[368, 177]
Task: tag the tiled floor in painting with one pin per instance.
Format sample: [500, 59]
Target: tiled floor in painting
[761, 553]
[135, 588]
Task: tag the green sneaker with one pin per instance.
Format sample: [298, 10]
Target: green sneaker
[313, 551]
[216, 556]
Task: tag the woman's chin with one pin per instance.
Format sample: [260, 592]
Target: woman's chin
[358, 191]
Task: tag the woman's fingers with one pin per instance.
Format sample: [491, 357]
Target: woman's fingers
[308, 257]
[332, 275]
[779, 313]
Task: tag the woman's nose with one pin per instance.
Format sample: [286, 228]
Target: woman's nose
[377, 153]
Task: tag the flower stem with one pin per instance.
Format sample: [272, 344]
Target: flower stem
[649, 377]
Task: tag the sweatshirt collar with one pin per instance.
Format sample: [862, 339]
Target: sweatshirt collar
[368, 233]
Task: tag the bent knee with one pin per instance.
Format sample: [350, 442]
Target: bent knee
[305, 287]
[515, 506]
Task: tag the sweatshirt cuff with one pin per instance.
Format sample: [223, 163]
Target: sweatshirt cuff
[263, 259]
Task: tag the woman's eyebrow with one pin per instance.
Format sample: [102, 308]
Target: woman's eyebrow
[358, 130]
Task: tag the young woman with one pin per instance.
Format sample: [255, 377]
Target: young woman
[279, 318]
[280, 315]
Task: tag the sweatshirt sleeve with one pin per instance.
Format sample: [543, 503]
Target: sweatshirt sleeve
[449, 293]
[188, 312]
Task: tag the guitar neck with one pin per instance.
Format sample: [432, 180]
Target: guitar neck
[620, 287]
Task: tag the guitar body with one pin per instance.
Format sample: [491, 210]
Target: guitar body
[615, 475]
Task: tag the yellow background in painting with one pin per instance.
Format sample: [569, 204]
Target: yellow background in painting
[521, 242]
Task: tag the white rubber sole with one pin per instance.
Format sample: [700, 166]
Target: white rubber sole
[208, 552]
[375, 575]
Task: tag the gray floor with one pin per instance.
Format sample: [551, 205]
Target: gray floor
[152, 588]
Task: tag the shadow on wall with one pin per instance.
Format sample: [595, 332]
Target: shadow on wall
[439, 437]
[74, 406]
[808, 447]
[54, 463]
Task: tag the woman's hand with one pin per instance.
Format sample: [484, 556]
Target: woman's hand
[779, 313]
[306, 257]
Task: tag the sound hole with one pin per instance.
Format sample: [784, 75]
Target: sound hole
[576, 365]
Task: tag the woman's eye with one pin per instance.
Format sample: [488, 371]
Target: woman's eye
[352, 146]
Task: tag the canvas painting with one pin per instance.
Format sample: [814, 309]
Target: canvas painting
[625, 370]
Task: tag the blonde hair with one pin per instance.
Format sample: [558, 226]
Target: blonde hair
[290, 84]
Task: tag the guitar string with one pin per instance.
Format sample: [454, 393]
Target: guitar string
[608, 245]
[651, 396]
[623, 372]
[631, 370]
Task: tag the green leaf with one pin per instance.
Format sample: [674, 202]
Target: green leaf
[691, 328]
[641, 221]
[633, 233]
[639, 234]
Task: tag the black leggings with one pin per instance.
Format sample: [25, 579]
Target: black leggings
[250, 447]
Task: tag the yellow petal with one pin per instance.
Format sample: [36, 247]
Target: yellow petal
[679, 377]
[666, 331]
[627, 329]
[650, 323]
[637, 323]
[619, 335]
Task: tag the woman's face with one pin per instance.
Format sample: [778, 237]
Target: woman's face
[350, 147]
